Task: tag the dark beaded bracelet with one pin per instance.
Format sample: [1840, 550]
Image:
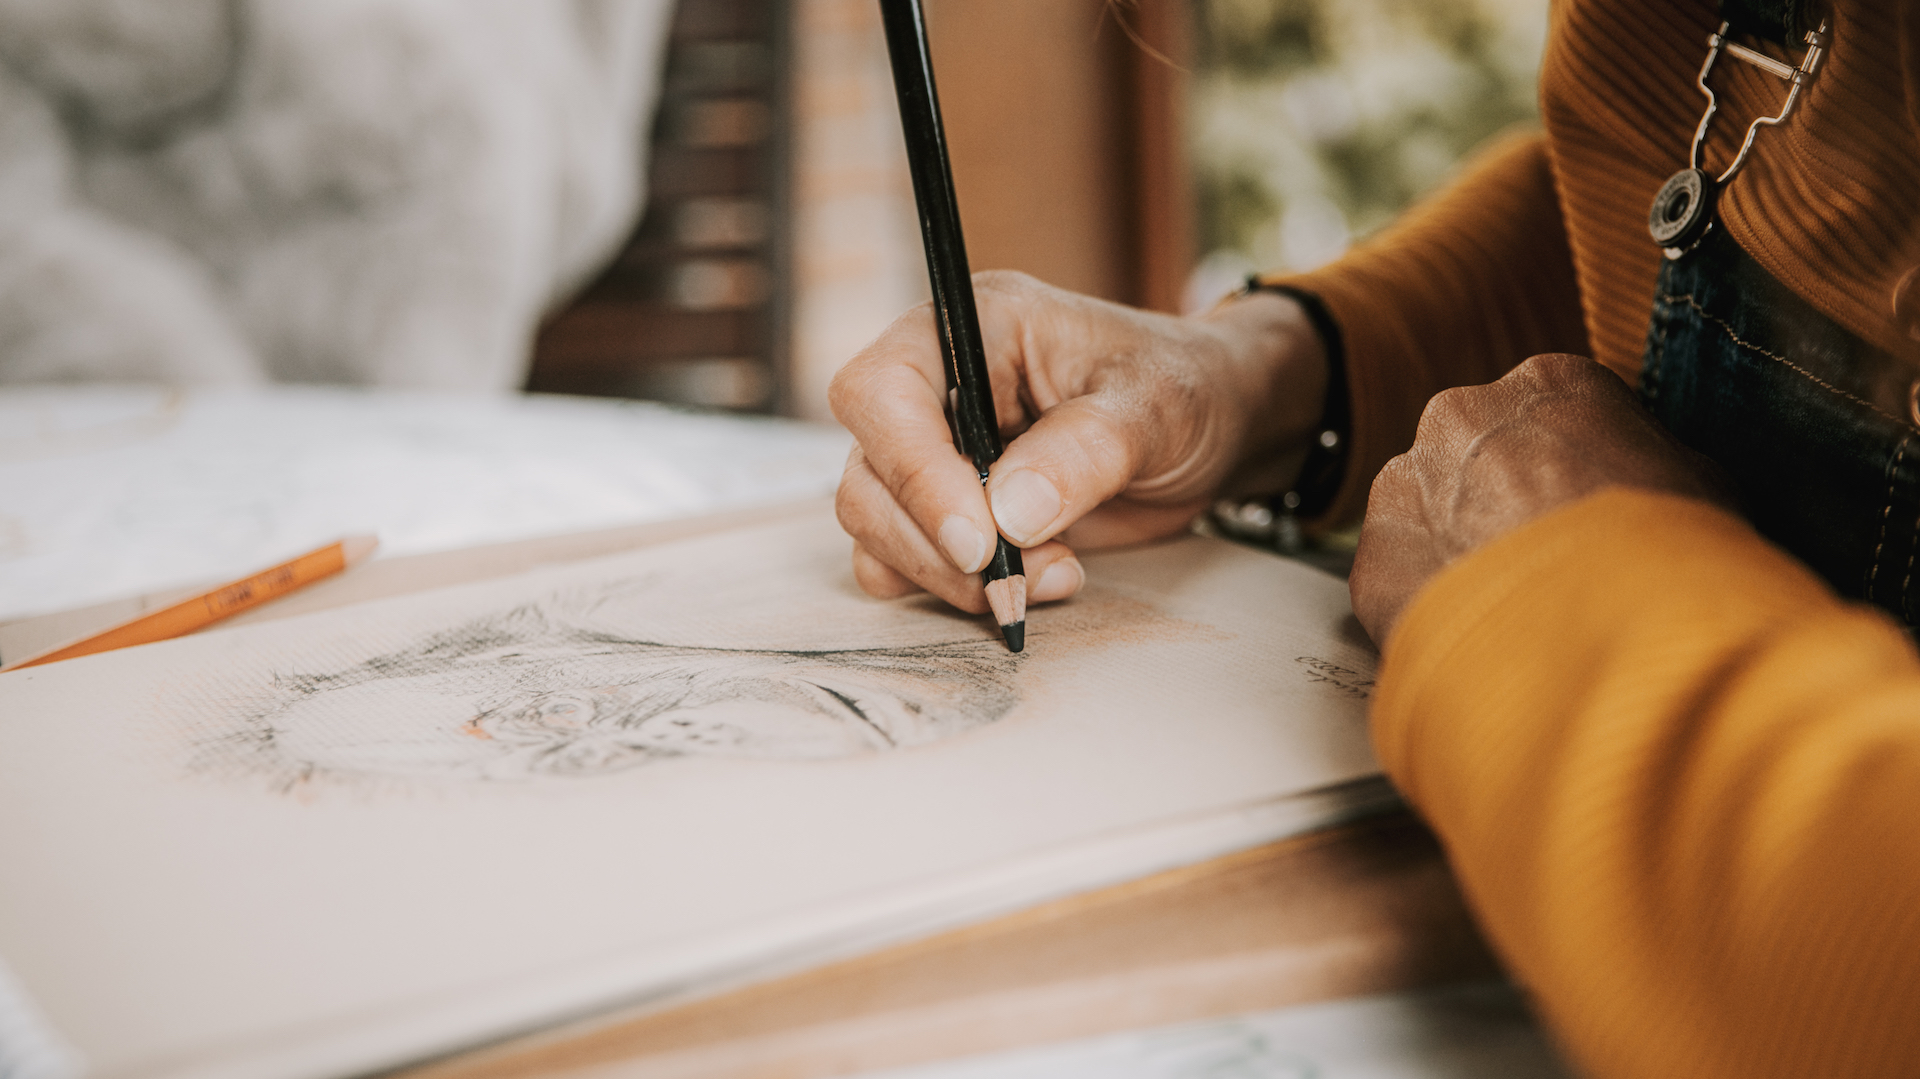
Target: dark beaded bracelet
[1326, 464]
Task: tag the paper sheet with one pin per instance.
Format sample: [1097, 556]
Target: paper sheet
[29, 1047]
[350, 839]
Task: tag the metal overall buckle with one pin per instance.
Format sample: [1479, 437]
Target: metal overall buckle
[1682, 213]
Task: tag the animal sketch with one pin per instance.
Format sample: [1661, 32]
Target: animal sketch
[536, 692]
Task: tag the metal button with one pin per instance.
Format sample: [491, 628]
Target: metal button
[1682, 211]
[1913, 403]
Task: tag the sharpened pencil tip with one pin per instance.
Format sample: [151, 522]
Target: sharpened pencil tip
[1008, 598]
[1016, 635]
[355, 548]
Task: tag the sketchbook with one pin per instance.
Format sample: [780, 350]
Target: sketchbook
[364, 837]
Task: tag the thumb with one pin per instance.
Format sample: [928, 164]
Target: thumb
[1078, 455]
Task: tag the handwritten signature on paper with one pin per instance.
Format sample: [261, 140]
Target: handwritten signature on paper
[1345, 679]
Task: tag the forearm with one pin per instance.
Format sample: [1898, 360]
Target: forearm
[1677, 780]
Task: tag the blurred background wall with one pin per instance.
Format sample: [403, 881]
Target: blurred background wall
[1148, 151]
[313, 201]
[390, 192]
[1311, 123]
[695, 307]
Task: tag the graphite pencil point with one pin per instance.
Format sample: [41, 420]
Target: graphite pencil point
[1008, 598]
[1016, 636]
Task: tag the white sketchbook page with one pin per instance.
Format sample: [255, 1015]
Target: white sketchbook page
[244, 853]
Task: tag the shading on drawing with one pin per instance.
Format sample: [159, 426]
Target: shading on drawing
[539, 691]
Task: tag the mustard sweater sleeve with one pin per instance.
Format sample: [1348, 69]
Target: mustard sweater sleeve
[1680, 784]
[1456, 292]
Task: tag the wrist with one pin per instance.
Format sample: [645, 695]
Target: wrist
[1281, 367]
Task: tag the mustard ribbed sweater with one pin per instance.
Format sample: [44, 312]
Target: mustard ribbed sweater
[1679, 780]
[1542, 246]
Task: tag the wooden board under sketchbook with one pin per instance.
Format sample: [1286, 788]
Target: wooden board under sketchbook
[1364, 908]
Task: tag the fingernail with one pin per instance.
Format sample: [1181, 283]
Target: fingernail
[1062, 579]
[1024, 503]
[964, 544]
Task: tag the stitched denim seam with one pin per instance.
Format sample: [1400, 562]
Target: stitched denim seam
[1777, 358]
[1906, 583]
[1893, 476]
[1650, 377]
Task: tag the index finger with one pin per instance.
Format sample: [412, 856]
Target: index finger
[892, 396]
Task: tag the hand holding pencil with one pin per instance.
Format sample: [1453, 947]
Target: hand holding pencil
[970, 404]
[1127, 421]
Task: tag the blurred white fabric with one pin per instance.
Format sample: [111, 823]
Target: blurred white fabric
[111, 491]
[367, 191]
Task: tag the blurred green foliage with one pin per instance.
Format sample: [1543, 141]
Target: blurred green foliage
[1316, 121]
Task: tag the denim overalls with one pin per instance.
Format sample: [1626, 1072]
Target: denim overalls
[1816, 427]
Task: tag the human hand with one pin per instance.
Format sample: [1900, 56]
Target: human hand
[1488, 459]
[1122, 424]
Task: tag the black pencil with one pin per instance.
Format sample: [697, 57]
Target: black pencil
[969, 388]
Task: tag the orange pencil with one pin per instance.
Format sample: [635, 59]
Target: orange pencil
[209, 607]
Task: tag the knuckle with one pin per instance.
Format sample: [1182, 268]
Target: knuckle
[916, 476]
[1553, 369]
[1009, 281]
[861, 377]
[918, 319]
[880, 364]
[851, 391]
[875, 578]
[840, 393]
[1450, 400]
[1443, 409]
[1396, 473]
[850, 508]
[860, 502]
[847, 503]
[1559, 362]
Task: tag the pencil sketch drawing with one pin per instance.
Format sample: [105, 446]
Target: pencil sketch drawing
[545, 690]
